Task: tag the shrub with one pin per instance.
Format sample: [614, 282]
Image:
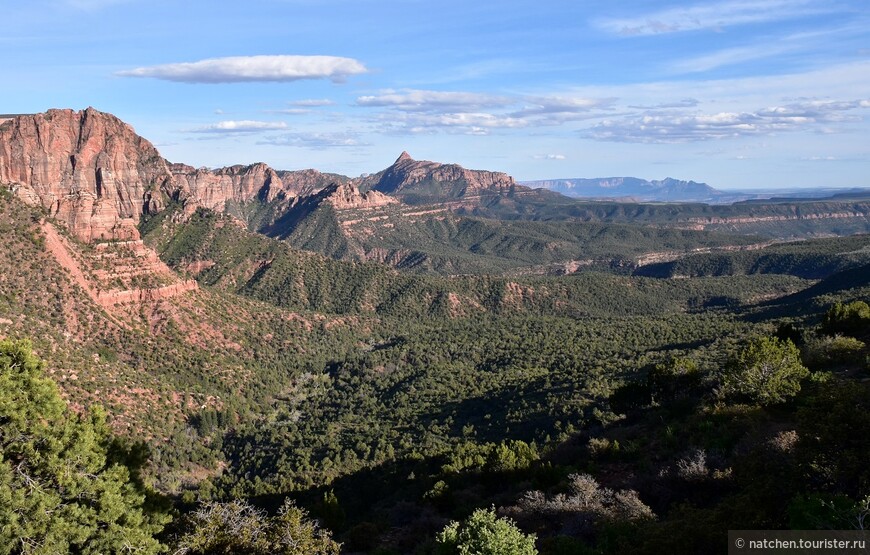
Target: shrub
[767, 371]
[483, 533]
[848, 319]
[237, 527]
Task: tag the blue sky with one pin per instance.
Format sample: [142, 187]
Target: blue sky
[736, 93]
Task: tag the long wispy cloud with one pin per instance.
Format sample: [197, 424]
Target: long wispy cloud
[240, 126]
[312, 102]
[717, 15]
[414, 100]
[731, 56]
[769, 47]
[315, 141]
[238, 69]
[421, 111]
[90, 5]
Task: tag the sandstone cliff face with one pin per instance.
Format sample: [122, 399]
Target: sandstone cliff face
[93, 172]
[213, 188]
[455, 180]
[89, 169]
[348, 196]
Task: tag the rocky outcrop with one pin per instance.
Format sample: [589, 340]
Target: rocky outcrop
[214, 188]
[345, 196]
[88, 169]
[108, 299]
[704, 222]
[409, 176]
[93, 172]
[118, 272]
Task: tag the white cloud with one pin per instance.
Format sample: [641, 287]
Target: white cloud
[413, 100]
[731, 56]
[769, 47]
[413, 111]
[312, 102]
[657, 127]
[711, 16]
[240, 126]
[89, 5]
[684, 103]
[316, 141]
[549, 157]
[253, 68]
[289, 111]
[470, 123]
[544, 105]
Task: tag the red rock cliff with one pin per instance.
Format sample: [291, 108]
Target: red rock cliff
[88, 168]
[92, 171]
[213, 188]
[456, 181]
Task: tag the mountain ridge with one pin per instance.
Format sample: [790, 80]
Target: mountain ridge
[92, 172]
[407, 177]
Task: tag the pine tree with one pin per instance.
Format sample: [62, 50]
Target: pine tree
[64, 487]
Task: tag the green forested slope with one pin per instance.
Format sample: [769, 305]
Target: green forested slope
[814, 259]
[602, 412]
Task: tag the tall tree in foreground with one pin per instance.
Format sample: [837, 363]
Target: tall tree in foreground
[64, 484]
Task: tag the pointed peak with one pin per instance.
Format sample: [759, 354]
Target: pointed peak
[404, 156]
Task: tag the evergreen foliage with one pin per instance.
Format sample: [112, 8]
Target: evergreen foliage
[849, 319]
[766, 371]
[484, 533]
[64, 484]
[584, 407]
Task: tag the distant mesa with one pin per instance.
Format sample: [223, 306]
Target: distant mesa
[633, 189]
[91, 171]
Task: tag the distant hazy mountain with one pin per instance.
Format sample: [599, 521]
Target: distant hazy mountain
[635, 189]
[632, 188]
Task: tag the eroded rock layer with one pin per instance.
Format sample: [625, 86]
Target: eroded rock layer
[88, 169]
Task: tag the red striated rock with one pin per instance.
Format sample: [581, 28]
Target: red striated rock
[131, 259]
[108, 299]
[449, 180]
[88, 168]
[93, 172]
[345, 196]
[214, 188]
